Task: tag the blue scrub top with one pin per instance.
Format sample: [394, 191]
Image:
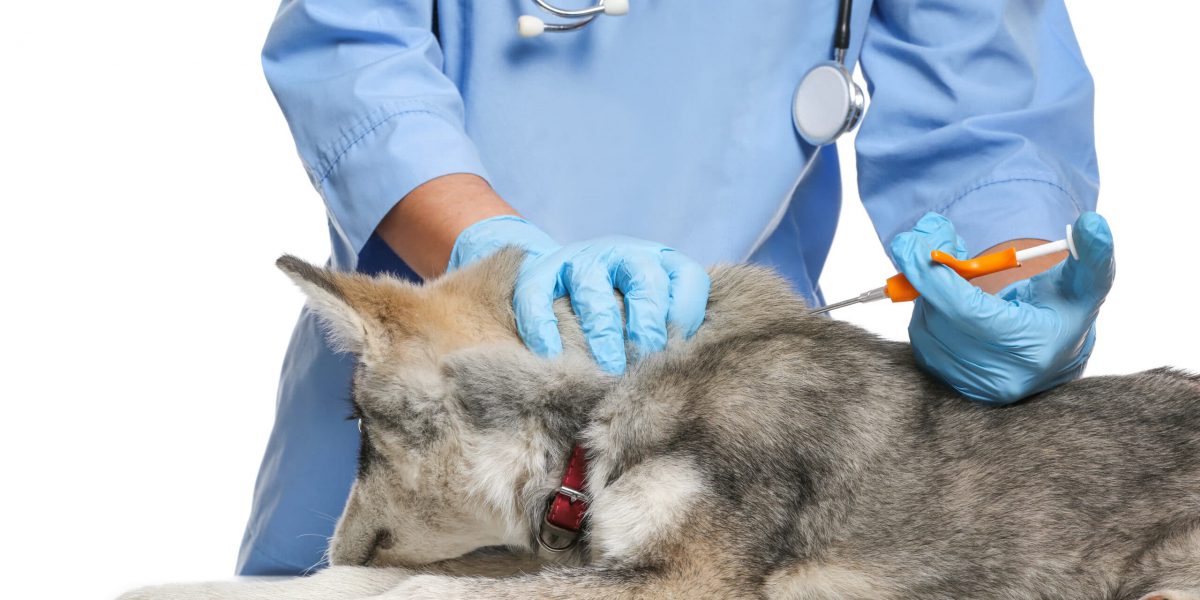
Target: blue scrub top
[673, 124]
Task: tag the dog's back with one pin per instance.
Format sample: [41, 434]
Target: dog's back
[838, 467]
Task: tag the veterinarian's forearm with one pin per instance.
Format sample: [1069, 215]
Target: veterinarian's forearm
[422, 227]
[997, 281]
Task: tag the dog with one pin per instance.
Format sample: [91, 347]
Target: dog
[774, 454]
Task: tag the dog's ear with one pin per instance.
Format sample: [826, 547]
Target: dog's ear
[489, 282]
[345, 303]
[455, 310]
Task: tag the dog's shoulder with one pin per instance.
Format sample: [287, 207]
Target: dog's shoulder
[754, 292]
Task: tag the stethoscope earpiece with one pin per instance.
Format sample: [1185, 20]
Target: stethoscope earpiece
[616, 8]
[530, 26]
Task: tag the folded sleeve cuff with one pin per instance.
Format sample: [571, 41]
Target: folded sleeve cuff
[386, 159]
[999, 211]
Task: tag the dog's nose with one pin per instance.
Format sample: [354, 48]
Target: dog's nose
[383, 541]
[359, 550]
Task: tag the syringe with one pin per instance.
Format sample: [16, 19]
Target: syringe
[898, 289]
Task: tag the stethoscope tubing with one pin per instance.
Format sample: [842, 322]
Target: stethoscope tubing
[591, 11]
[784, 204]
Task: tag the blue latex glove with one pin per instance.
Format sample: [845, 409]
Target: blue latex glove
[661, 286]
[1036, 334]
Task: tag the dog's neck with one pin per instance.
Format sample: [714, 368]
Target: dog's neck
[515, 477]
[521, 430]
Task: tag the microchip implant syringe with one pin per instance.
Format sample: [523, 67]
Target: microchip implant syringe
[898, 289]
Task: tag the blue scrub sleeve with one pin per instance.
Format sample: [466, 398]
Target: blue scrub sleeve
[981, 111]
[373, 115]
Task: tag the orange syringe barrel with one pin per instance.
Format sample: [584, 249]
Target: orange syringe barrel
[898, 289]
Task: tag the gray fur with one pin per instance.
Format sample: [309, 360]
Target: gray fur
[773, 455]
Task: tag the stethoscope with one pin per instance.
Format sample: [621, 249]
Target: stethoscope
[531, 26]
[826, 105]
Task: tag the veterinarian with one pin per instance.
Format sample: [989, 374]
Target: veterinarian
[633, 151]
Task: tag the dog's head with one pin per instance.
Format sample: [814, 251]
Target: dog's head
[442, 389]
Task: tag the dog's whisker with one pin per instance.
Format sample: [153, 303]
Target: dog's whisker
[324, 515]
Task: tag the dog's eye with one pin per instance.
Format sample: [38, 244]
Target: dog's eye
[356, 415]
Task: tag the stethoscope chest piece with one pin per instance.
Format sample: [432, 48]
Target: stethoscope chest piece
[827, 104]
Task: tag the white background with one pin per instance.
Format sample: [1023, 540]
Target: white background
[149, 182]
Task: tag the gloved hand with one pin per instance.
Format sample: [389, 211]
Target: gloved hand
[1036, 334]
[661, 287]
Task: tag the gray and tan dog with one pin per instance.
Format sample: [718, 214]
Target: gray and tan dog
[773, 455]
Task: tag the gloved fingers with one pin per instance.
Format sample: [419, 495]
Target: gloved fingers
[1091, 276]
[934, 356]
[1067, 370]
[939, 233]
[1023, 290]
[960, 248]
[688, 288]
[1074, 369]
[985, 382]
[641, 278]
[588, 281]
[533, 304]
[969, 308]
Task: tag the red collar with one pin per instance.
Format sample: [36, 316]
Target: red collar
[564, 517]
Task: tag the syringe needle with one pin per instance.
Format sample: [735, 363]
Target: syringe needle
[868, 296]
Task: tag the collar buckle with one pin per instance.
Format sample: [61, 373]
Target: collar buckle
[574, 494]
[565, 510]
[555, 539]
